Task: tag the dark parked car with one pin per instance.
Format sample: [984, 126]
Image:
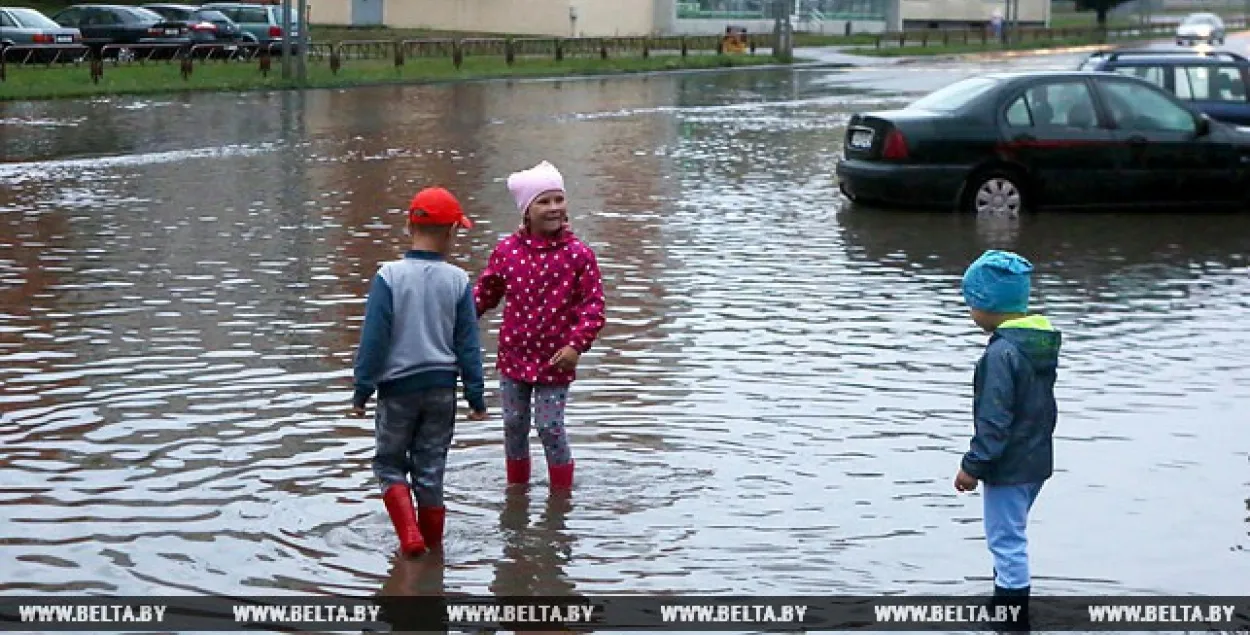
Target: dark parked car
[1008, 142]
[128, 31]
[38, 38]
[205, 26]
[1214, 83]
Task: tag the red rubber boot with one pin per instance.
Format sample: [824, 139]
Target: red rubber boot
[398, 499]
[561, 476]
[431, 520]
[518, 471]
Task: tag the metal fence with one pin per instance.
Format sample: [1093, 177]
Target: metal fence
[340, 54]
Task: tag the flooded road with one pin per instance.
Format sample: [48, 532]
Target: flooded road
[778, 403]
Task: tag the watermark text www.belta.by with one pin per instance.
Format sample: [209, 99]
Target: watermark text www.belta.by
[1161, 613]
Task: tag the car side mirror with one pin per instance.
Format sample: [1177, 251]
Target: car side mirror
[1203, 125]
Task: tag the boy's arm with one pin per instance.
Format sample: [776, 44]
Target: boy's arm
[993, 417]
[589, 307]
[375, 340]
[490, 285]
[469, 351]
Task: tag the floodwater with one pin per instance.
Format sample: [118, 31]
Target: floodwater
[778, 403]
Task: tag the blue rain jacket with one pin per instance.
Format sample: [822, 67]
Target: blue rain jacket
[1014, 404]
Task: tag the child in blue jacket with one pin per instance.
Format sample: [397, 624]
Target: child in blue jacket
[1014, 412]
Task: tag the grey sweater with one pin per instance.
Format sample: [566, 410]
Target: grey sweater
[420, 331]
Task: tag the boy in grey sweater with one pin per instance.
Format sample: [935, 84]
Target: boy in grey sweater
[420, 334]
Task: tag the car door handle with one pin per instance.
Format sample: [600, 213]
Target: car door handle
[1137, 140]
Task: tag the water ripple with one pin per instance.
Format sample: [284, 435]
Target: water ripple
[777, 405]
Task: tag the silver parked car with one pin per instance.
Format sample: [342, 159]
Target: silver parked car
[23, 27]
[1200, 27]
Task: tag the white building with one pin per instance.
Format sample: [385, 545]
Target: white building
[598, 18]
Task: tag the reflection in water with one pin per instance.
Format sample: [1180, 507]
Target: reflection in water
[409, 577]
[777, 404]
[534, 555]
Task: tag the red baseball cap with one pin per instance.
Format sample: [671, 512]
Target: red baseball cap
[437, 206]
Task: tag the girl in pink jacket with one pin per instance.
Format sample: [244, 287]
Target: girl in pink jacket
[554, 312]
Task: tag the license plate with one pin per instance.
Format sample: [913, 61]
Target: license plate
[861, 139]
[171, 31]
[64, 39]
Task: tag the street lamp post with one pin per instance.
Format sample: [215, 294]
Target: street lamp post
[783, 30]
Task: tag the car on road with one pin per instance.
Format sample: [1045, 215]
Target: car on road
[1200, 27]
[1215, 83]
[1010, 142]
[37, 38]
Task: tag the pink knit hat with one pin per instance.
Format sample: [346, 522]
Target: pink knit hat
[527, 185]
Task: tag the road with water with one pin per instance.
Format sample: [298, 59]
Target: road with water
[778, 403]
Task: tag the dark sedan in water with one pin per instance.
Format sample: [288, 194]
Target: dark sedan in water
[1008, 142]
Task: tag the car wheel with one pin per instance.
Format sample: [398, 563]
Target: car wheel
[997, 192]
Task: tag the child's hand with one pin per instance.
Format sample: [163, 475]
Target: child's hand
[965, 482]
[474, 415]
[566, 358]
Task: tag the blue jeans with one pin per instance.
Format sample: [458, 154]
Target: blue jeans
[413, 434]
[1006, 519]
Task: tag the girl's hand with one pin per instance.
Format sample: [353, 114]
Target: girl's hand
[566, 358]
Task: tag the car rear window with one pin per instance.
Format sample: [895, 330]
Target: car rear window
[32, 19]
[140, 15]
[276, 12]
[1201, 19]
[956, 95]
[211, 16]
[250, 15]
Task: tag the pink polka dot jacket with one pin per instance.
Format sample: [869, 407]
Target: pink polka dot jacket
[554, 298]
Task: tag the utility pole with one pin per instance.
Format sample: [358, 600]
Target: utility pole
[1015, 16]
[783, 30]
[286, 39]
[302, 22]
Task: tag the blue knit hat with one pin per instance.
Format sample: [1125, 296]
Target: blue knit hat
[998, 282]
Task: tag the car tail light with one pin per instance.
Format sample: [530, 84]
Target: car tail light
[156, 31]
[41, 38]
[895, 146]
[275, 31]
[204, 26]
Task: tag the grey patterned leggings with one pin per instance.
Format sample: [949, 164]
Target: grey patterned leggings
[414, 433]
[547, 405]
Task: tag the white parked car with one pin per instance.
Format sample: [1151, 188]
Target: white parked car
[1200, 27]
